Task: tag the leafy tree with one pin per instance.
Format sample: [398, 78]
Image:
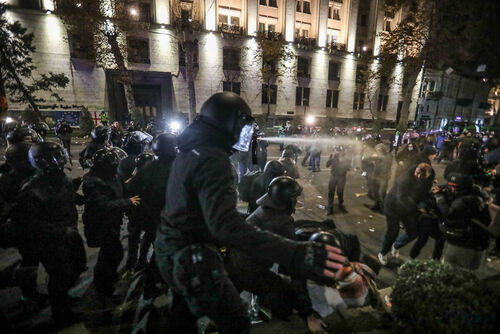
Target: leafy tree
[275, 54]
[29, 116]
[86, 122]
[103, 25]
[16, 68]
[437, 34]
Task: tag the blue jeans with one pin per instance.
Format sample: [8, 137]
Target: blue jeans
[392, 220]
[315, 160]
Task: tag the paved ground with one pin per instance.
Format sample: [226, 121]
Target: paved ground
[360, 220]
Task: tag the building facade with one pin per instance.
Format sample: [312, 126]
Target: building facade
[326, 37]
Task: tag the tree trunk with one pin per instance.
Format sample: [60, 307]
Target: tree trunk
[3, 99]
[125, 79]
[189, 51]
[407, 95]
[20, 84]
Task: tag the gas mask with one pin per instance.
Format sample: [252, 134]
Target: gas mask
[245, 140]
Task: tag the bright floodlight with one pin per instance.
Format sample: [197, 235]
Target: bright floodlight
[9, 120]
[133, 11]
[365, 48]
[310, 120]
[176, 126]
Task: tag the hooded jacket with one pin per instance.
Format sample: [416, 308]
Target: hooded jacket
[201, 201]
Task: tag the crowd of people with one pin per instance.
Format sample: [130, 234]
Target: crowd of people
[179, 195]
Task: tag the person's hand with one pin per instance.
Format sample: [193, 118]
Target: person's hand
[422, 210]
[318, 262]
[435, 190]
[315, 324]
[136, 200]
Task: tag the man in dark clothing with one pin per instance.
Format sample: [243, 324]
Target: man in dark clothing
[466, 217]
[405, 158]
[427, 155]
[46, 214]
[400, 204]
[467, 164]
[10, 184]
[288, 162]
[381, 175]
[115, 135]
[339, 167]
[249, 274]
[98, 136]
[63, 132]
[261, 182]
[261, 151]
[200, 216]
[150, 184]
[103, 215]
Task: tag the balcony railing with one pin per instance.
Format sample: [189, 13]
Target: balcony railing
[231, 29]
[434, 96]
[305, 41]
[189, 24]
[334, 46]
[272, 35]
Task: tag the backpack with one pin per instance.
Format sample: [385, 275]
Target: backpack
[246, 184]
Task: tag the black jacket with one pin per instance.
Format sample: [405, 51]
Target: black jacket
[201, 201]
[150, 183]
[406, 193]
[46, 207]
[104, 207]
[339, 166]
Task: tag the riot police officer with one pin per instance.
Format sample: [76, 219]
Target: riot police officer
[16, 157]
[98, 136]
[261, 182]
[150, 183]
[46, 214]
[200, 216]
[103, 215]
[274, 214]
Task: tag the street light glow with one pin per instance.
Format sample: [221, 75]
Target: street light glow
[9, 120]
[310, 120]
[175, 126]
[133, 11]
[78, 4]
[365, 48]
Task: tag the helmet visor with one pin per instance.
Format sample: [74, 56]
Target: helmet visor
[243, 143]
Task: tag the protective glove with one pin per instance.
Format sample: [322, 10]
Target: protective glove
[317, 262]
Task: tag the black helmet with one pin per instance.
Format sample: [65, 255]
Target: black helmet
[99, 134]
[48, 156]
[105, 161]
[288, 153]
[164, 145]
[132, 144]
[23, 133]
[227, 112]
[273, 169]
[143, 159]
[282, 193]
[325, 238]
[16, 155]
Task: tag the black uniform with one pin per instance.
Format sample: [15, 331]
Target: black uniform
[249, 274]
[338, 172]
[401, 206]
[63, 132]
[150, 184]
[201, 215]
[47, 216]
[102, 217]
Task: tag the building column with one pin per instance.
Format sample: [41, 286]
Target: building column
[162, 11]
[252, 17]
[323, 22]
[210, 17]
[353, 25]
[379, 26]
[290, 20]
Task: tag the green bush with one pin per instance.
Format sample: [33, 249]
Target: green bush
[430, 297]
[86, 122]
[29, 116]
